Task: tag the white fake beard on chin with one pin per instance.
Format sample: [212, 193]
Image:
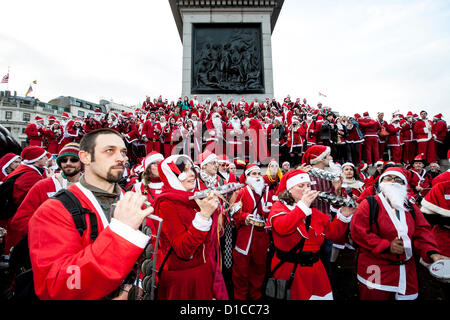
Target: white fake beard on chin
[256, 183]
[333, 167]
[395, 193]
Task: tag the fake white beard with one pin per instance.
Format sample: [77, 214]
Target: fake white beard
[333, 168]
[217, 124]
[236, 124]
[256, 183]
[395, 193]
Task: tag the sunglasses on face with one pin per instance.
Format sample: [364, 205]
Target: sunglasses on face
[73, 160]
[396, 179]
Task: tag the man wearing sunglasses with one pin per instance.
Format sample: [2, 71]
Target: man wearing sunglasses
[69, 164]
[386, 265]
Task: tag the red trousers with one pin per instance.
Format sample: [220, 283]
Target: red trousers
[428, 149]
[409, 150]
[396, 153]
[371, 147]
[249, 270]
[153, 146]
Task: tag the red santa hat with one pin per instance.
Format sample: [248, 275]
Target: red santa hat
[395, 171]
[379, 162]
[437, 201]
[98, 111]
[291, 179]
[363, 166]
[388, 162]
[32, 154]
[207, 157]
[438, 116]
[52, 118]
[315, 154]
[171, 174]
[416, 116]
[223, 159]
[124, 115]
[409, 114]
[38, 118]
[6, 161]
[366, 114]
[250, 168]
[79, 119]
[65, 115]
[448, 155]
[357, 116]
[152, 157]
[239, 163]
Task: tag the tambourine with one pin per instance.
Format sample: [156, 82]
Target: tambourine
[256, 220]
[441, 270]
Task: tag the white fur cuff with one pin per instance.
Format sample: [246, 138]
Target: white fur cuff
[306, 210]
[343, 218]
[201, 224]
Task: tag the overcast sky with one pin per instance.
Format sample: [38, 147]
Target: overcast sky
[364, 55]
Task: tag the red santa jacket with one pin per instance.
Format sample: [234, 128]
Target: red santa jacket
[37, 195]
[132, 132]
[34, 134]
[312, 131]
[406, 134]
[369, 127]
[245, 233]
[377, 267]
[421, 131]
[393, 139]
[439, 131]
[151, 131]
[422, 179]
[69, 267]
[152, 190]
[295, 137]
[288, 228]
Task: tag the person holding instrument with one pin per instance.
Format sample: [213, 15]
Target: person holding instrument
[293, 221]
[69, 264]
[390, 231]
[189, 243]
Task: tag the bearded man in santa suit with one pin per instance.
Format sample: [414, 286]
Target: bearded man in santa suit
[215, 128]
[35, 132]
[69, 164]
[394, 138]
[422, 131]
[235, 138]
[56, 246]
[386, 267]
[252, 241]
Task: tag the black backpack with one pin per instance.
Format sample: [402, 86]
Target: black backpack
[7, 206]
[20, 263]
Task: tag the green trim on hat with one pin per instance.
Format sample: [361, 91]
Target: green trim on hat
[65, 155]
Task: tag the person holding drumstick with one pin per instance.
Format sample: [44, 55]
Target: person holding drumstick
[389, 231]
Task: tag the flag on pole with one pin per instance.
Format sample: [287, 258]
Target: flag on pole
[29, 91]
[5, 78]
[321, 94]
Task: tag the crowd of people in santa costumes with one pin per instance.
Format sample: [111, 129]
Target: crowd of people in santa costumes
[154, 159]
[288, 126]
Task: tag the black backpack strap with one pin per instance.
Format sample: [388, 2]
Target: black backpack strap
[373, 215]
[73, 205]
[298, 248]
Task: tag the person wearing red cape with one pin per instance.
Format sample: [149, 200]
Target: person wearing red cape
[189, 239]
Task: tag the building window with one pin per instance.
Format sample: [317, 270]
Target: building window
[26, 117]
[8, 115]
[8, 128]
[23, 130]
[80, 113]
